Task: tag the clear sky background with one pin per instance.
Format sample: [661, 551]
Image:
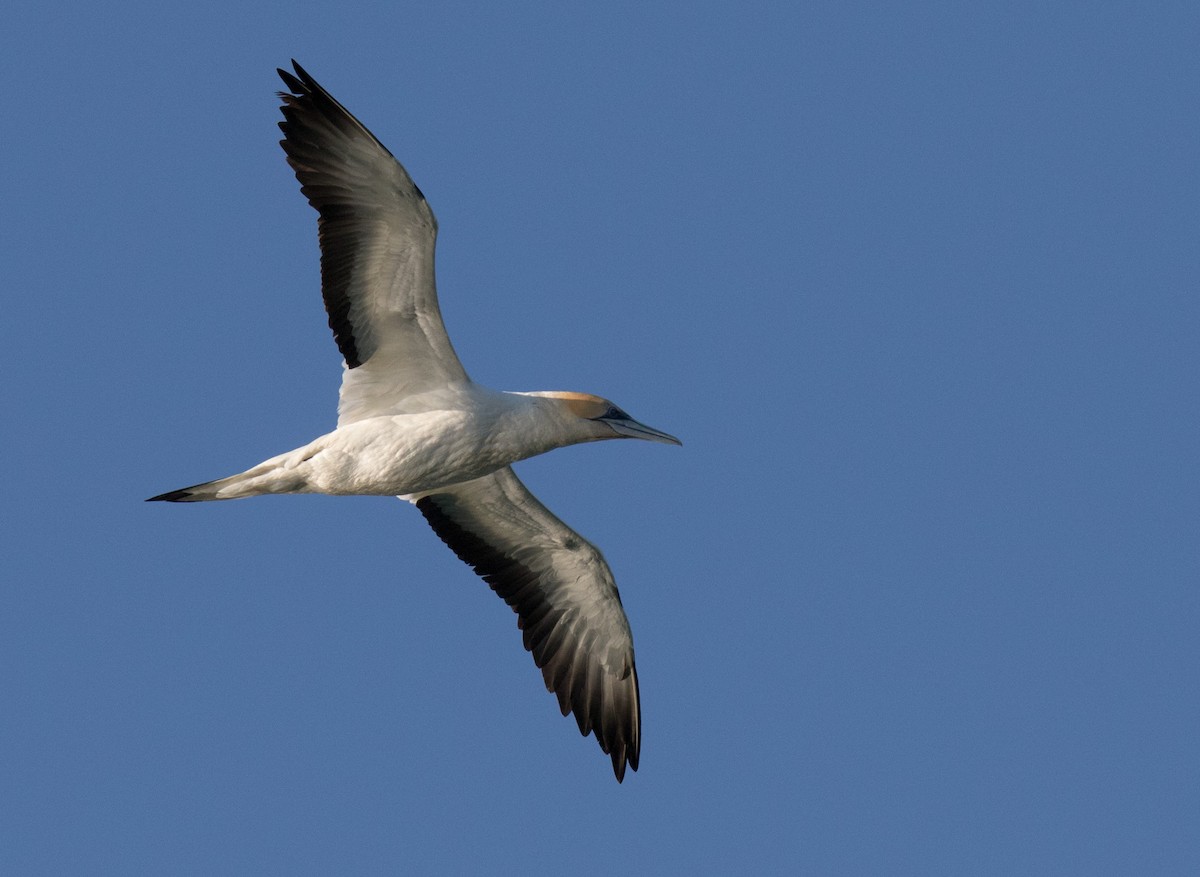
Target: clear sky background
[915, 283]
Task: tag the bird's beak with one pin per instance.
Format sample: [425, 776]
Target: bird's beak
[627, 427]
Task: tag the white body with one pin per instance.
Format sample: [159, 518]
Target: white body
[444, 437]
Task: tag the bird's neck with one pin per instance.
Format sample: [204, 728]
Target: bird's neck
[541, 422]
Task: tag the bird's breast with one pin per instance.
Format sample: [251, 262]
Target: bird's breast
[409, 453]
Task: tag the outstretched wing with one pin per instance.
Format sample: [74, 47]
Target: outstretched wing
[377, 236]
[564, 596]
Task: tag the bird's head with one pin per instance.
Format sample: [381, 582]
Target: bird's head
[602, 419]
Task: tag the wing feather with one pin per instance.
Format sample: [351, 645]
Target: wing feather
[377, 235]
[565, 598]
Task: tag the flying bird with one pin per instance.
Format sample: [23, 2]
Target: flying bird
[412, 424]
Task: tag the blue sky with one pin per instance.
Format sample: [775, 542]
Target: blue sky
[916, 284]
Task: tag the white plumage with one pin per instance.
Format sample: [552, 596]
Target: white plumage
[411, 423]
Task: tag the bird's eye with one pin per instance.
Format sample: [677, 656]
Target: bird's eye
[616, 413]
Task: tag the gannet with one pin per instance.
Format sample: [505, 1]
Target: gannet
[412, 424]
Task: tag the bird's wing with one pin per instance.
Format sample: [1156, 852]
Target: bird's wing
[566, 602]
[377, 237]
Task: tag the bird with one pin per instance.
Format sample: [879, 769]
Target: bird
[412, 424]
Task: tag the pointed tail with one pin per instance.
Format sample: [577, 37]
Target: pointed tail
[196, 493]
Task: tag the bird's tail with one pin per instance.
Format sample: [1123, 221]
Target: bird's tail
[209, 490]
[266, 477]
[282, 474]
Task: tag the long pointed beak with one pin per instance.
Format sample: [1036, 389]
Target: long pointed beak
[630, 428]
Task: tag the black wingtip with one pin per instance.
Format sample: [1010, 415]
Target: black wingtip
[622, 758]
[300, 82]
[172, 496]
[294, 85]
